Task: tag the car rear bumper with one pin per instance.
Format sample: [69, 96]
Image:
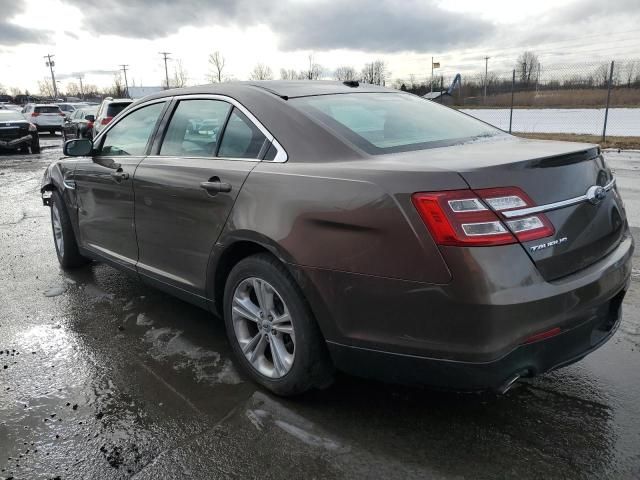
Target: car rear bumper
[16, 142]
[526, 360]
[471, 333]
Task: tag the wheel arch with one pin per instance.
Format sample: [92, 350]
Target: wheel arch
[242, 244]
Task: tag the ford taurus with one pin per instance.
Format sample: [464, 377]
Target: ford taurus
[353, 227]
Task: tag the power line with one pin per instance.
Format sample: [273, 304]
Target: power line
[166, 71]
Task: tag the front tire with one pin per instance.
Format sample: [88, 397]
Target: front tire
[271, 329]
[63, 237]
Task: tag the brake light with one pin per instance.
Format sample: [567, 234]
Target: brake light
[62, 114]
[105, 120]
[35, 114]
[473, 218]
[458, 217]
[89, 124]
[525, 228]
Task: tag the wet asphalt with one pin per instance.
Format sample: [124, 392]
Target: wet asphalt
[103, 377]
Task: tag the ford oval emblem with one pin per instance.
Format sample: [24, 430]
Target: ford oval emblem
[596, 194]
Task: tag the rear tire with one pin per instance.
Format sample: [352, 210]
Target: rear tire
[287, 357]
[35, 146]
[63, 237]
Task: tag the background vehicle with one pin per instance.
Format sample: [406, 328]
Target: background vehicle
[17, 133]
[47, 117]
[108, 109]
[354, 226]
[80, 123]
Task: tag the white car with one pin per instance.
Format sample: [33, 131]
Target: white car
[44, 116]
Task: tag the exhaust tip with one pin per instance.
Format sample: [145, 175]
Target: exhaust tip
[506, 386]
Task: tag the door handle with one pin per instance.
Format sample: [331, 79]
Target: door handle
[214, 186]
[120, 175]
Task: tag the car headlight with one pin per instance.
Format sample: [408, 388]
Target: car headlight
[32, 128]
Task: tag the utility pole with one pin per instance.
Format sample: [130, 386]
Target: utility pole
[80, 77]
[166, 70]
[50, 63]
[126, 83]
[486, 78]
[431, 82]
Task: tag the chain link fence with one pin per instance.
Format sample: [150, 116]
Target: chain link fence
[594, 99]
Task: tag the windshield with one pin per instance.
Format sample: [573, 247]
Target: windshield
[391, 122]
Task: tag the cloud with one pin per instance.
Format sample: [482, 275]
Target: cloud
[65, 76]
[12, 34]
[381, 26]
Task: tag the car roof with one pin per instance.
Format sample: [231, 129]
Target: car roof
[118, 100]
[282, 88]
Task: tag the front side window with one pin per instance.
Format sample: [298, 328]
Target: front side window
[392, 122]
[130, 135]
[241, 138]
[194, 129]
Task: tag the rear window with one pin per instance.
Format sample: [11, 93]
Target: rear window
[10, 116]
[115, 108]
[392, 122]
[55, 109]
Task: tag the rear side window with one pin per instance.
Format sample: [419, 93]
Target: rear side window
[130, 135]
[241, 138]
[194, 129]
[48, 109]
[115, 108]
[391, 122]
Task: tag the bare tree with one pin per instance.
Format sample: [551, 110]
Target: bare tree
[375, 73]
[180, 76]
[261, 72]
[602, 74]
[288, 74]
[527, 67]
[117, 89]
[314, 72]
[73, 90]
[217, 62]
[3, 91]
[15, 91]
[631, 72]
[44, 88]
[345, 74]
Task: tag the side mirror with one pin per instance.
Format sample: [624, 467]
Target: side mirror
[78, 147]
[90, 118]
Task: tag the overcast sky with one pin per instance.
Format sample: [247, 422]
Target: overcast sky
[94, 37]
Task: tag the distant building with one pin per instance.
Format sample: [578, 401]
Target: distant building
[139, 92]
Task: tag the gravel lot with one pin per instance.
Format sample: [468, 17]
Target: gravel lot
[103, 377]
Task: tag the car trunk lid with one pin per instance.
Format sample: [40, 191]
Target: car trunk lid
[549, 172]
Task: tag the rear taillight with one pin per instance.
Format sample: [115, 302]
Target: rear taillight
[525, 228]
[105, 120]
[89, 124]
[62, 114]
[473, 218]
[35, 114]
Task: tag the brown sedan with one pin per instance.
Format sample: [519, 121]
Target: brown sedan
[353, 227]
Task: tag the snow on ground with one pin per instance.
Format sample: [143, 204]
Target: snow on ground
[623, 122]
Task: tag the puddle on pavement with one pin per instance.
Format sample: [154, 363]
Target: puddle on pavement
[168, 344]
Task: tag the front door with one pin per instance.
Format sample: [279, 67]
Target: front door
[185, 194]
[104, 186]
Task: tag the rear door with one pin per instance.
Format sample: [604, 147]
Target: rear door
[104, 185]
[185, 191]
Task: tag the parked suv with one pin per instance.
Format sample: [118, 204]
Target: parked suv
[108, 109]
[46, 117]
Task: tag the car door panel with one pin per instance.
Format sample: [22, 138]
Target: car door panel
[104, 185]
[184, 194]
[177, 220]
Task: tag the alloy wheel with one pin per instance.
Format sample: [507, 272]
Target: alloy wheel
[57, 228]
[263, 327]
